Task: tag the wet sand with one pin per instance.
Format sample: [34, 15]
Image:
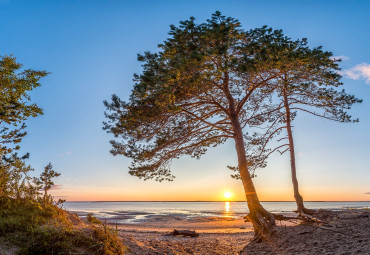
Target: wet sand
[349, 234]
[201, 225]
[218, 235]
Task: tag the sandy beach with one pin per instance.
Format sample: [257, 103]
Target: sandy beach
[349, 233]
[218, 235]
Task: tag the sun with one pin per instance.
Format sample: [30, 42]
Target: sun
[227, 194]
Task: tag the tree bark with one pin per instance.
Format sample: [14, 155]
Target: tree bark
[45, 196]
[262, 220]
[298, 198]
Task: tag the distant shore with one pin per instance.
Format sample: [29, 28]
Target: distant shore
[196, 201]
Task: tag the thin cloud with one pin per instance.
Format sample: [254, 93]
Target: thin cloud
[342, 58]
[361, 71]
[368, 193]
[56, 187]
[68, 153]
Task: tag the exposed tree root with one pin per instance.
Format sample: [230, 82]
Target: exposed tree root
[303, 218]
[263, 223]
[332, 229]
[301, 209]
[305, 212]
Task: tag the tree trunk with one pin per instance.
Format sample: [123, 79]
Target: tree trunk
[298, 198]
[45, 196]
[262, 220]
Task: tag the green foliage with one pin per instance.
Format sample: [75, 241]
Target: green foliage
[29, 220]
[45, 183]
[39, 226]
[16, 217]
[108, 241]
[93, 220]
[15, 105]
[69, 241]
[14, 178]
[15, 108]
[47, 175]
[202, 85]
[209, 80]
[307, 81]
[53, 231]
[16, 182]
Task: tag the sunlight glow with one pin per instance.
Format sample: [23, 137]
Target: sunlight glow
[227, 194]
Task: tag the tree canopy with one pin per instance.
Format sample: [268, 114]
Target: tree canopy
[180, 103]
[15, 107]
[204, 86]
[15, 101]
[214, 81]
[308, 82]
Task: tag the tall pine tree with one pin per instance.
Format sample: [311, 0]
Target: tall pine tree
[203, 87]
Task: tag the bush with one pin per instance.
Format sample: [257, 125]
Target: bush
[93, 220]
[54, 231]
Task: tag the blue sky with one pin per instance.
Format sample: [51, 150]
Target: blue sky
[90, 49]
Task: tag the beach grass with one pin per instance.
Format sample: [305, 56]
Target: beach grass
[28, 228]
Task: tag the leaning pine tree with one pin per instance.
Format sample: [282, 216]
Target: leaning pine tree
[204, 86]
[307, 82]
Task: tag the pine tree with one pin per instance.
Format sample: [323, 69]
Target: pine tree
[15, 108]
[47, 183]
[308, 82]
[203, 87]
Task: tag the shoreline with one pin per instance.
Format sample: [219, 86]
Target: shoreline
[210, 225]
[122, 213]
[216, 201]
[349, 234]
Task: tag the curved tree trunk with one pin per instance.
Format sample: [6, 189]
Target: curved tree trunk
[298, 198]
[262, 220]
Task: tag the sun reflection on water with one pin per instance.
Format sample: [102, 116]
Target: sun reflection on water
[227, 207]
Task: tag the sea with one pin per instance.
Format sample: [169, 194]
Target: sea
[138, 212]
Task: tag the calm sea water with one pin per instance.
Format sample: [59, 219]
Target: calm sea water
[132, 212]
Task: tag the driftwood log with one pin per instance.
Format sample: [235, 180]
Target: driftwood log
[190, 233]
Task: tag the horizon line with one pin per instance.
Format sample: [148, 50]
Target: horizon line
[102, 201]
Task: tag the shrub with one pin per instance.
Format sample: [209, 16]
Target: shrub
[54, 231]
[93, 220]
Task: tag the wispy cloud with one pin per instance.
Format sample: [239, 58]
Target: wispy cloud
[368, 193]
[343, 58]
[65, 154]
[56, 187]
[361, 71]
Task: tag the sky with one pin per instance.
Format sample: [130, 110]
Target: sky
[90, 49]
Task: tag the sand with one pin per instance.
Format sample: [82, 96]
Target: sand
[218, 235]
[349, 233]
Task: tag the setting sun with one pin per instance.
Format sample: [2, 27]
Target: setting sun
[227, 194]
